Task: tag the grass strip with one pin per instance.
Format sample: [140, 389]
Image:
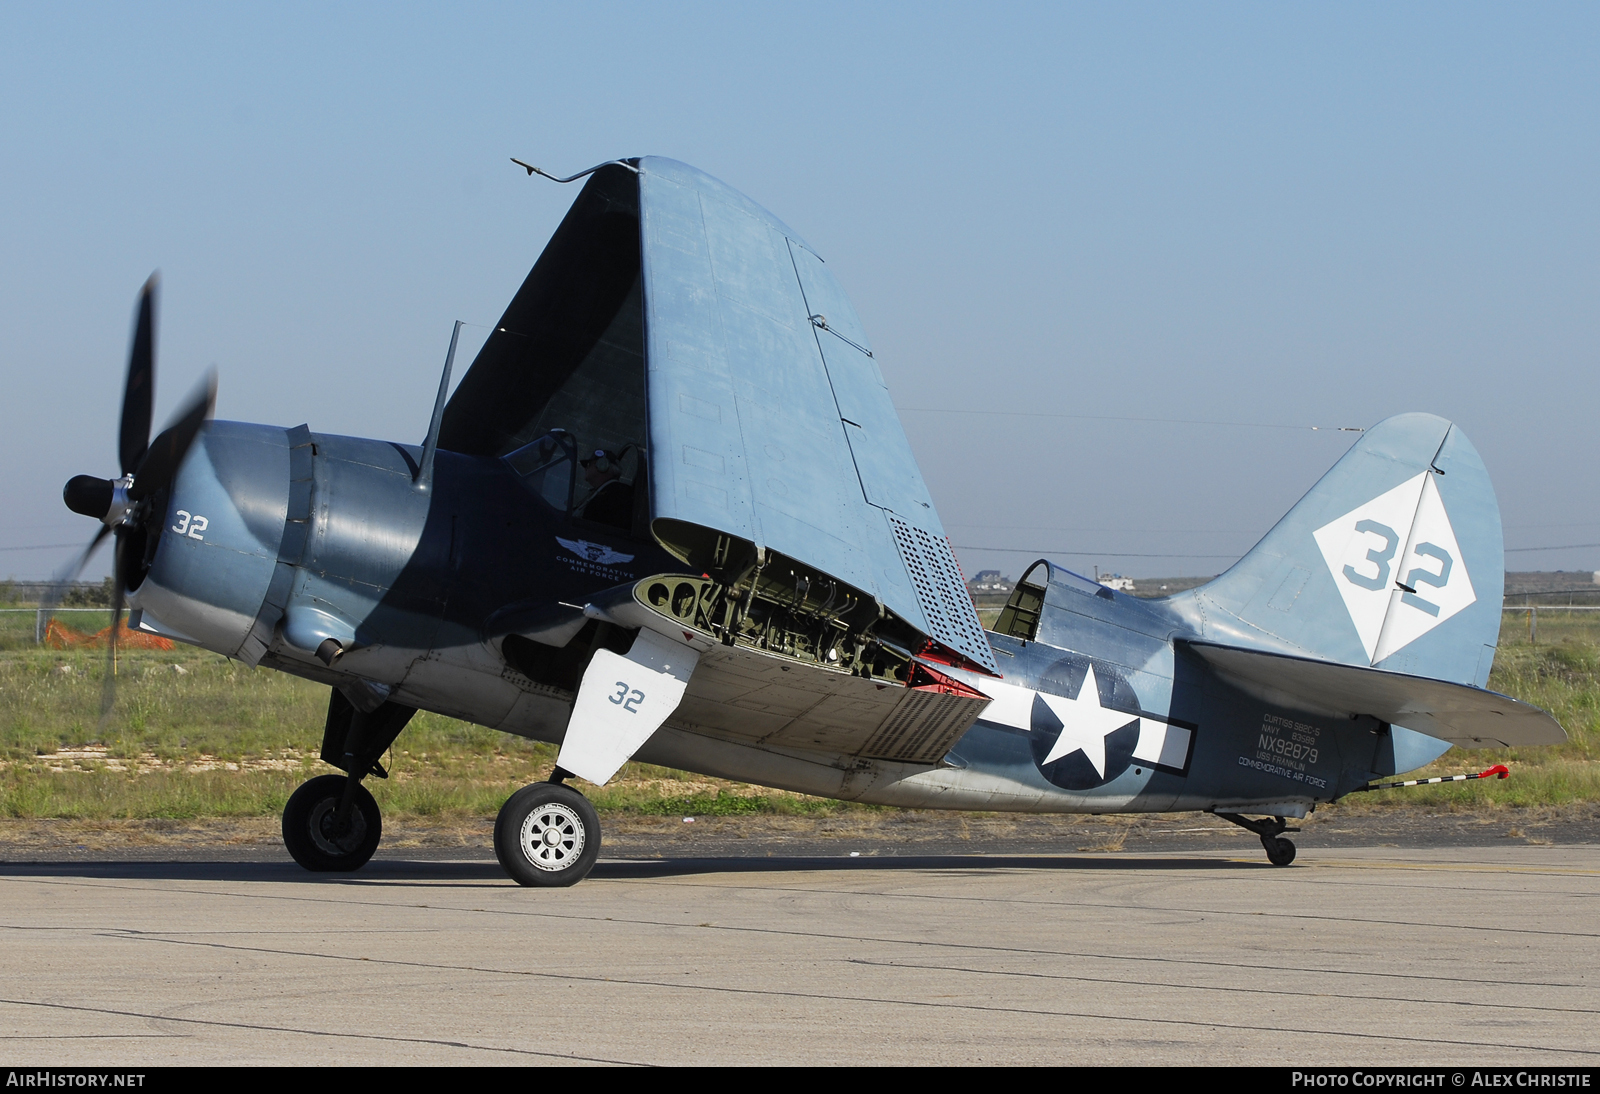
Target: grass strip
[196, 735]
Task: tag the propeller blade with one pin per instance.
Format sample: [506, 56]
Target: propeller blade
[139, 394]
[61, 583]
[108, 689]
[166, 454]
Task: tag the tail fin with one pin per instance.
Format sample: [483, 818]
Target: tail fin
[1393, 560]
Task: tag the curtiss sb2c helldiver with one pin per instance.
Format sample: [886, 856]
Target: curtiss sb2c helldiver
[670, 514]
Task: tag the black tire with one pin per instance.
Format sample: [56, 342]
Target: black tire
[308, 826]
[1280, 852]
[547, 835]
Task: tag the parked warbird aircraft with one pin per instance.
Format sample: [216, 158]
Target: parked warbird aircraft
[670, 514]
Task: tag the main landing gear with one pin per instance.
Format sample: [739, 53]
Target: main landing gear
[547, 834]
[1280, 852]
[332, 824]
[313, 831]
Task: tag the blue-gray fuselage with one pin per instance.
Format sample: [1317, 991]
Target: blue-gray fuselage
[276, 541]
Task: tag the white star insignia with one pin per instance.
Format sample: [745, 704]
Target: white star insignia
[1085, 724]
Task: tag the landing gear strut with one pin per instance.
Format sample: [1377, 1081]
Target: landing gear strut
[547, 835]
[332, 823]
[1280, 852]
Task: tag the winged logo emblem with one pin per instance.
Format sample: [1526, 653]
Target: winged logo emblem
[594, 552]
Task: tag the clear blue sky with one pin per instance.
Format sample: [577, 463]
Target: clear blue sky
[1272, 214]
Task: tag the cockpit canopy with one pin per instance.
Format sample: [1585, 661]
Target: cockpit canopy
[1043, 584]
[589, 484]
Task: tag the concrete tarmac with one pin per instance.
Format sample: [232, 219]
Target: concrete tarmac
[1367, 956]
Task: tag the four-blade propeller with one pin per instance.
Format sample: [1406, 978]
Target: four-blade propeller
[125, 506]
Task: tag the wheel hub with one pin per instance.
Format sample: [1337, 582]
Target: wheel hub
[324, 828]
[553, 837]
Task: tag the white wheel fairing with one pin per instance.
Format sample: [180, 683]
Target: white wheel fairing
[552, 837]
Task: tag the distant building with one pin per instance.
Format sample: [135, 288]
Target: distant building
[1116, 581]
[989, 583]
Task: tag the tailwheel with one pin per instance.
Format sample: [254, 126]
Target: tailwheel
[314, 834]
[1280, 852]
[547, 835]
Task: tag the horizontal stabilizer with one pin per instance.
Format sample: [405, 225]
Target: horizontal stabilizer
[1463, 715]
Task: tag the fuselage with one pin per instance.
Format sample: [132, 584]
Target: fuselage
[479, 599]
